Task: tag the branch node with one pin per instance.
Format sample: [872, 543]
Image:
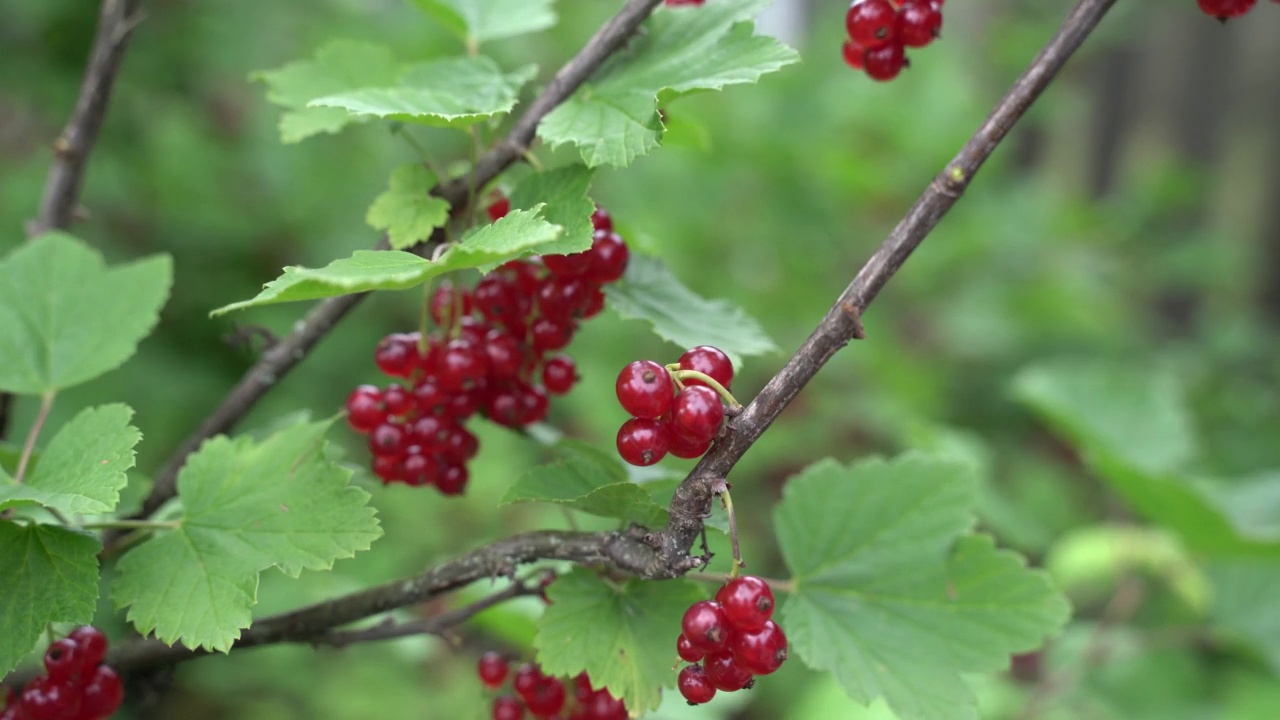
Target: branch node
[852, 312]
[951, 182]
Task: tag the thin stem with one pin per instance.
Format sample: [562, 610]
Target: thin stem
[133, 525]
[424, 320]
[29, 447]
[533, 160]
[680, 376]
[727, 499]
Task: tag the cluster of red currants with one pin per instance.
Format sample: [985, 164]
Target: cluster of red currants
[75, 686]
[674, 410]
[880, 31]
[1224, 10]
[494, 353]
[544, 696]
[730, 640]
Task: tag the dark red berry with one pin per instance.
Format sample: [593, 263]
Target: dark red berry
[62, 660]
[504, 354]
[559, 374]
[452, 479]
[870, 22]
[388, 468]
[569, 266]
[459, 446]
[92, 643]
[694, 685]
[1226, 9]
[919, 23]
[507, 708]
[562, 298]
[551, 334]
[706, 627]
[644, 389]
[642, 441]
[462, 366]
[852, 52]
[603, 706]
[594, 304]
[533, 404]
[724, 673]
[582, 688]
[492, 669]
[683, 447]
[499, 209]
[102, 695]
[547, 697]
[498, 299]
[609, 256]
[396, 401]
[710, 361]
[397, 354]
[388, 439]
[601, 220]
[448, 303]
[697, 413]
[46, 699]
[885, 62]
[760, 651]
[686, 650]
[747, 601]
[364, 409]
[419, 469]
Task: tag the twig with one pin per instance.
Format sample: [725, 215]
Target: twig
[277, 362]
[842, 322]
[29, 446]
[116, 21]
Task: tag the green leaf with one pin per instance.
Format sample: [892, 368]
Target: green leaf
[479, 20]
[84, 467]
[248, 506]
[65, 317]
[454, 92]
[613, 118]
[587, 480]
[564, 193]
[49, 574]
[618, 632]
[338, 66]
[407, 210]
[651, 293]
[891, 595]
[519, 233]
[1133, 429]
[1238, 612]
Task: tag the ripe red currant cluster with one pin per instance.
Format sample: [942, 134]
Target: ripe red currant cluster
[75, 686]
[675, 409]
[730, 640]
[881, 30]
[494, 353]
[544, 696]
[1224, 10]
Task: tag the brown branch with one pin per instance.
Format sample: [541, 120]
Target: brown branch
[842, 322]
[280, 359]
[665, 554]
[116, 21]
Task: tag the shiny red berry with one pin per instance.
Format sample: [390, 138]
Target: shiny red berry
[686, 650]
[683, 447]
[643, 442]
[710, 361]
[397, 354]
[852, 53]
[724, 673]
[93, 643]
[870, 22]
[364, 409]
[559, 373]
[885, 62]
[609, 256]
[919, 23]
[706, 627]
[697, 413]
[694, 685]
[507, 708]
[492, 669]
[747, 601]
[102, 695]
[62, 660]
[760, 651]
[645, 389]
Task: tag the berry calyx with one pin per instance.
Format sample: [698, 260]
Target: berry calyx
[644, 389]
[747, 601]
[760, 651]
[643, 441]
[694, 685]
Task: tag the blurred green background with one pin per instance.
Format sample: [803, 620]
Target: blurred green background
[1133, 216]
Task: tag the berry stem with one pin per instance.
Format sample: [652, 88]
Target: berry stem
[133, 525]
[681, 375]
[733, 532]
[29, 447]
[424, 320]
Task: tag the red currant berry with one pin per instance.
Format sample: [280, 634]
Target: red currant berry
[870, 22]
[595, 301]
[645, 389]
[46, 699]
[551, 334]
[642, 441]
[919, 23]
[498, 299]
[694, 685]
[499, 209]
[460, 446]
[452, 479]
[582, 689]
[852, 52]
[62, 660]
[604, 706]
[507, 708]
[92, 643]
[397, 355]
[683, 447]
[547, 697]
[526, 678]
[449, 303]
[747, 602]
[562, 298]
[522, 274]
[387, 468]
[462, 366]
[102, 695]
[885, 62]
[609, 256]
[687, 651]
[388, 439]
[710, 361]
[697, 413]
[364, 409]
[572, 265]
[419, 469]
[601, 219]
[706, 627]
[428, 397]
[396, 401]
[533, 404]
[504, 354]
[760, 651]
[559, 374]
[1226, 9]
[492, 669]
[430, 431]
[724, 673]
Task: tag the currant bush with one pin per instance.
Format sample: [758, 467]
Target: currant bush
[75, 686]
[492, 353]
[881, 30]
[731, 640]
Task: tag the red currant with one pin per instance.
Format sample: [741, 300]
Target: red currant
[388, 439]
[706, 627]
[507, 708]
[559, 374]
[462, 365]
[499, 209]
[919, 23]
[419, 470]
[885, 62]
[572, 265]
[642, 441]
[46, 699]
[397, 354]
[609, 256]
[1225, 9]
[697, 413]
[102, 695]
[62, 660]
[396, 401]
[452, 479]
[724, 673]
[364, 409]
[747, 601]
[645, 389]
[852, 52]
[550, 334]
[870, 22]
[683, 447]
[710, 361]
[547, 697]
[449, 303]
[92, 643]
[760, 651]
[694, 685]
[686, 650]
[601, 219]
[492, 669]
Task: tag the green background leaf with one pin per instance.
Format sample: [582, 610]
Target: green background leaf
[65, 317]
[49, 574]
[587, 480]
[338, 66]
[479, 20]
[620, 633]
[891, 595]
[563, 192]
[407, 211]
[84, 466]
[651, 293]
[247, 507]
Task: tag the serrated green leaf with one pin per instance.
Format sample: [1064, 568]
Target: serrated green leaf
[651, 293]
[619, 633]
[587, 481]
[248, 506]
[1133, 429]
[83, 468]
[49, 574]
[563, 191]
[891, 595]
[613, 119]
[337, 67]
[477, 21]
[407, 211]
[1238, 587]
[453, 92]
[65, 317]
[519, 233]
